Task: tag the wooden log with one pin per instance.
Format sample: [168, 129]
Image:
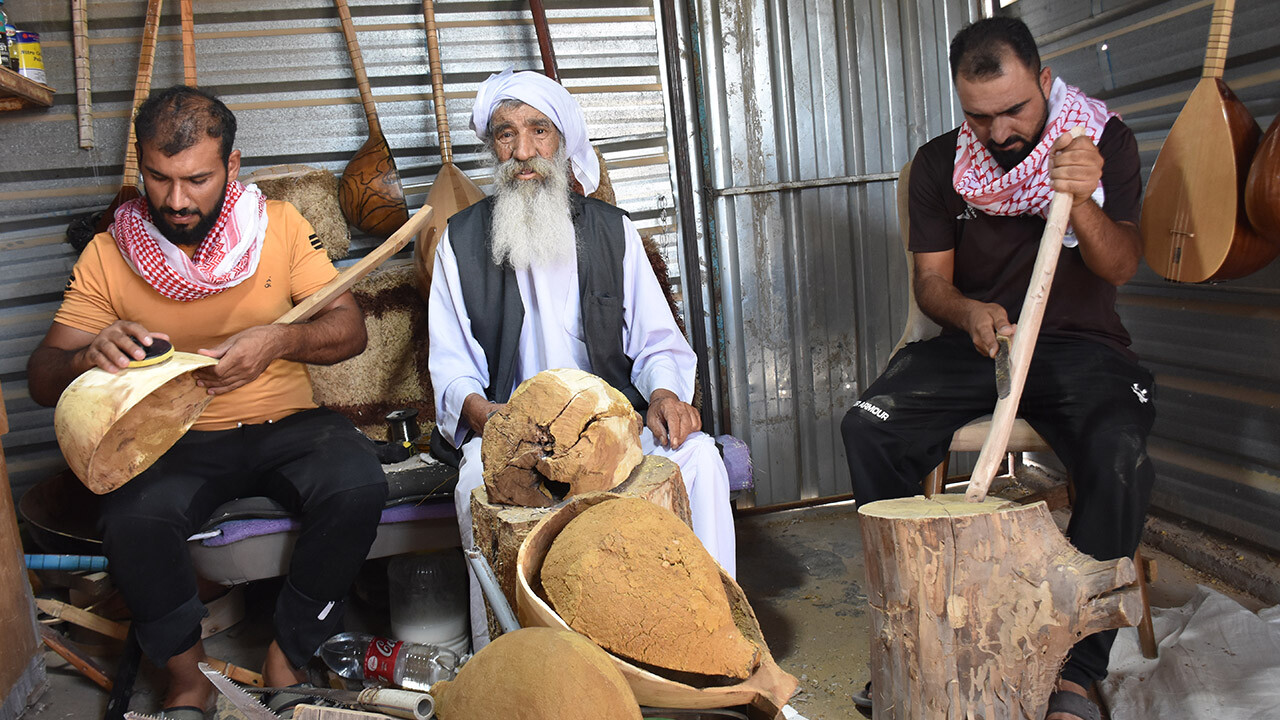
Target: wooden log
[500, 529]
[975, 606]
[566, 426]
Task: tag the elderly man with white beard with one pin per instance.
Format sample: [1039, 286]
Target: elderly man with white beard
[538, 277]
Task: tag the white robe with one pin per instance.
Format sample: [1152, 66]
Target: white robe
[550, 338]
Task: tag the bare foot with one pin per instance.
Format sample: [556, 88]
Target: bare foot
[277, 671]
[187, 685]
[1069, 686]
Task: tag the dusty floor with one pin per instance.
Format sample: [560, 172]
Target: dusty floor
[802, 570]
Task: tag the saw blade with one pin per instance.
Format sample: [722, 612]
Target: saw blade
[140, 716]
[1004, 382]
[243, 701]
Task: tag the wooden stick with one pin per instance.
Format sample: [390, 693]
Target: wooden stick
[85, 664]
[188, 42]
[146, 63]
[1024, 344]
[83, 618]
[437, 82]
[80, 49]
[235, 672]
[357, 67]
[325, 295]
[544, 40]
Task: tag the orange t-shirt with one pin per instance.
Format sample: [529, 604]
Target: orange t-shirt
[104, 289]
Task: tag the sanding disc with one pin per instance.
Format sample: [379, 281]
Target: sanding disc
[159, 351]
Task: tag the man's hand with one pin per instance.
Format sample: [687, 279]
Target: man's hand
[117, 344]
[241, 359]
[476, 411]
[671, 419]
[984, 322]
[1075, 167]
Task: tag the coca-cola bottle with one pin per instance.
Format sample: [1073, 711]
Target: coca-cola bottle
[375, 660]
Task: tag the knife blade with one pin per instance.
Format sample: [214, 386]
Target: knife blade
[243, 701]
[1003, 381]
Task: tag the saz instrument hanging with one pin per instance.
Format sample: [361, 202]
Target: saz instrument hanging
[1193, 220]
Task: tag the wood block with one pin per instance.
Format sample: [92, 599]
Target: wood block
[974, 606]
[499, 529]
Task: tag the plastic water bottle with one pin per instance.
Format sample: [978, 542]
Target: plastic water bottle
[375, 660]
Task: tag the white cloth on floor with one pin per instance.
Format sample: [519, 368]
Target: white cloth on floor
[705, 479]
[1215, 660]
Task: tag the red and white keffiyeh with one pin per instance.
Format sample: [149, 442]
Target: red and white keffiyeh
[1026, 189]
[227, 256]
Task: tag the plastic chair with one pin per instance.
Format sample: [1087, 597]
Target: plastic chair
[969, 437]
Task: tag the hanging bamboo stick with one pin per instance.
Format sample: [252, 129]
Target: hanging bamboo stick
[80, 49]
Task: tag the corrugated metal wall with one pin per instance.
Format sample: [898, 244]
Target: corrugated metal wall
[283, 69]
[812, 293]
[813, 281]
[1213, 348]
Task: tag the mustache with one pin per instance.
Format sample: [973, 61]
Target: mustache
[512, 167]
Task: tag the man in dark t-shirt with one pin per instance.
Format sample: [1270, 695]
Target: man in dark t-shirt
[978, 199]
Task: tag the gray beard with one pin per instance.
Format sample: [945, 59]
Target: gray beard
[532, 224]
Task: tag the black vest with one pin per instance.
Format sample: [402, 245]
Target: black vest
[492, 297]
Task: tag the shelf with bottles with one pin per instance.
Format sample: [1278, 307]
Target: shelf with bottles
[17, 92]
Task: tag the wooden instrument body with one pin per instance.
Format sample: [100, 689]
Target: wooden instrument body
[768, 688]
[1262, 191]
[369, 191]
[1193, 221]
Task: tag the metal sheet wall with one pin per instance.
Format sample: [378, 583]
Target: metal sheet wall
[1213, 348]
[283, 69]
[813, 280]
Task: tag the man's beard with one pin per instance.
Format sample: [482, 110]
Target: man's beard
[193, 235]
[1011, 158]
[532, 225]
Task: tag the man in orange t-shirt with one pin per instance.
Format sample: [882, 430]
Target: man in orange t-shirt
[207, 264]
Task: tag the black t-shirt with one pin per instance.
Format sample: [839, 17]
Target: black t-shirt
[994, 255]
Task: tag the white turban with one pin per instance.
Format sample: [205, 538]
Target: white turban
[551, 99]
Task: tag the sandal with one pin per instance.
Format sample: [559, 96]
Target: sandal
[1065, 701]
[862, 698]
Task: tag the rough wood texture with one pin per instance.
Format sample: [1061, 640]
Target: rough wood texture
[636, 581]
[975, 605]
[537, 674]
[567, 426]
[21, 669]
[766, 691]
[500, 529]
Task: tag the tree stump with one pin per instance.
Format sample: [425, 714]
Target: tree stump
[975, 606]
[499, 529]
[563, 432]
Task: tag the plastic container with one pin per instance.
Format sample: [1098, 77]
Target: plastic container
[382, 661]
[429, 595]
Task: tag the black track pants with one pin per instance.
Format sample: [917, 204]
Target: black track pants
[1093, 405]
[315, 463]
